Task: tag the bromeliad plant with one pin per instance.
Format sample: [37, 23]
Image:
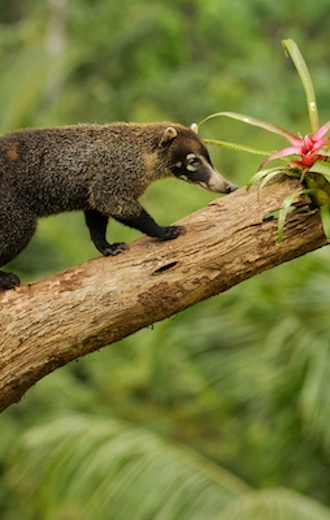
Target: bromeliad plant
[307, 157]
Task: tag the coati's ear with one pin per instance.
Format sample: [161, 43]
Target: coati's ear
[194, 128]
[168, 136]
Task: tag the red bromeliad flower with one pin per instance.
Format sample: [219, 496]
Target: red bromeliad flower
[313, 150]
[309, 148]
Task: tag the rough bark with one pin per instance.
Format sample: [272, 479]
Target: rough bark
[45, 325]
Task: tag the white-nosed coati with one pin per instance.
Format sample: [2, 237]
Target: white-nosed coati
[100, 169]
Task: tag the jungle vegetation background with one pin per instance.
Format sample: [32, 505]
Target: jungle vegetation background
[224, 410]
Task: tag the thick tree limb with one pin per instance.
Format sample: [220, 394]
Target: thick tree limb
[45, 325]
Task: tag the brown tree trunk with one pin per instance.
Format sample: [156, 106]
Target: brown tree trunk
[45, 325]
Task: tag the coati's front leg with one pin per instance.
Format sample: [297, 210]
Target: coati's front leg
[97, 224]
[125, 209]
[145, 223]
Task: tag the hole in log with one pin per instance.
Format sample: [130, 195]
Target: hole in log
[165, 267]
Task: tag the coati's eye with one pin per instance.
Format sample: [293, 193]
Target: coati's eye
[193, 162]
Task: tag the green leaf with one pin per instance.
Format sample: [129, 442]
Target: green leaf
[325, 152]
[315, 396]
[291, 49]
[265, 125]
[286, 208]
[259, 175]
[24, 85]
[323, 168]
[278, 504]
[325, 218]
[266, 175]
[236, 147]
[267, 178]
[121, 471]
[271, 172]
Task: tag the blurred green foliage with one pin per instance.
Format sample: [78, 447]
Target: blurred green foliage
[241, 381]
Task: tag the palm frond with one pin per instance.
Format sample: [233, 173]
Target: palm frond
[279, 504]
[105, 468]
[315, 396]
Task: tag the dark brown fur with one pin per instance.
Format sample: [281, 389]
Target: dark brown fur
[100, 169]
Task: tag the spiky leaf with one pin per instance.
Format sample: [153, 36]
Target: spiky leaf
[291, 49]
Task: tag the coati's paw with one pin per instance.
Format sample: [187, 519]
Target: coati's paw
[115, 249]
[9, 280]
[171, 232]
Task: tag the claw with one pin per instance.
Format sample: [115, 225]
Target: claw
[115, 249]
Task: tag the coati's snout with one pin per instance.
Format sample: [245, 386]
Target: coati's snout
[199, 170]
[191, 162]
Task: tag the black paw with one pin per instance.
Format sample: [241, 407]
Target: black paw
[115, 249]
[9, 280]
[171, 232]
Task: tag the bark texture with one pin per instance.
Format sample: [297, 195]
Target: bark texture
[47, 324]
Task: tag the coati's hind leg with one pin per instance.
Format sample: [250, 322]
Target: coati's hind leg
[8, 280]
[17, 226]
[97, 224]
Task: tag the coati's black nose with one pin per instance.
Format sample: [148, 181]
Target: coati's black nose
[231, 187]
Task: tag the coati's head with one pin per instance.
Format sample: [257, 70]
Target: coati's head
[189, 160]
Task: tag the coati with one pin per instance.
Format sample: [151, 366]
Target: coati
[100, 169]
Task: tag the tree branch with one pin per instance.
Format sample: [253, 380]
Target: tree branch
[45, 325]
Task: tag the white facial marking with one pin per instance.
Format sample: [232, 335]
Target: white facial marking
[209, 179]
[192, 165]
[203, 185]
[215, 181]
